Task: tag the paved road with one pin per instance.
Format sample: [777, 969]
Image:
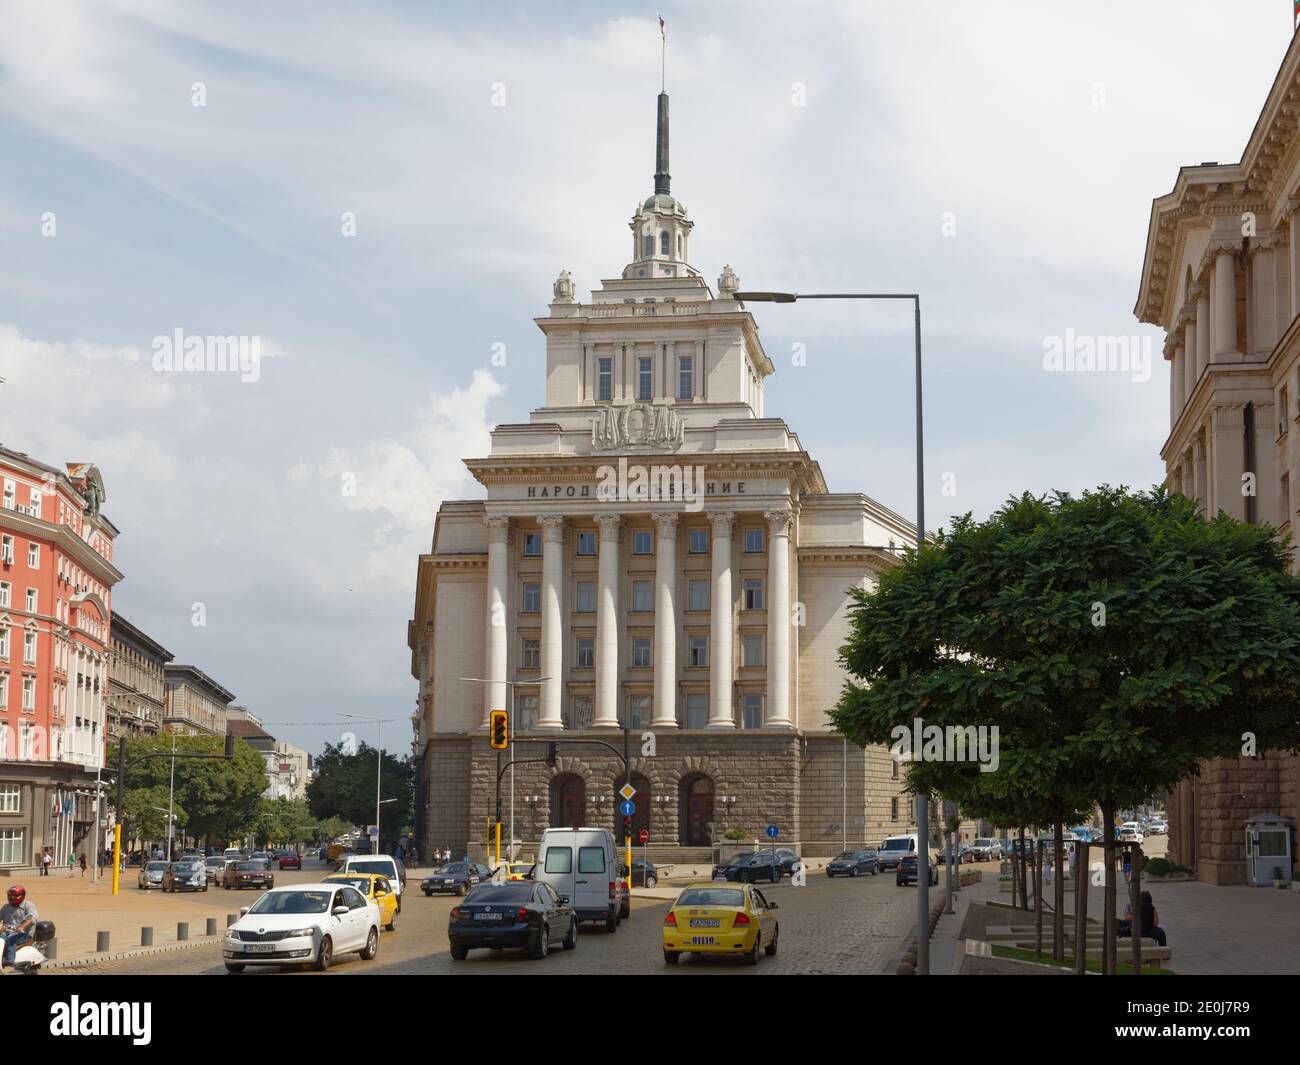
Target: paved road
[839, 926]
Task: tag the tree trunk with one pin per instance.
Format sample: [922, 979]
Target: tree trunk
[1058, 918]
[1024, 873]
[1082, 879]
[1109, 956]
[1038, 899]
[1135, 895]
[947, 905]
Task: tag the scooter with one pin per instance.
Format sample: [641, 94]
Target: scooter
[29, 958]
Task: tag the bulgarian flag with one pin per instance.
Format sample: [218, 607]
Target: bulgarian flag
[665, 36]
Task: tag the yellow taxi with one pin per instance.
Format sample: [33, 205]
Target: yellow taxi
[721, 918]
[518, 870]
[376, 889]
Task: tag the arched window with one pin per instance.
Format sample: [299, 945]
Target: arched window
[696, 804]
[649, 244]
[663, 243]
[568, 801]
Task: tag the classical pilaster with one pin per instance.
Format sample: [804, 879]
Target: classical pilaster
[1191, 358]
[778, 619]
[1293, 252]
[550, 710]
[1225, 307]
[665, 660]
[1229, 459]
[721, 712]
[607, 623]
[1178, 382]
[1198, 465]
[498, 536]
[1201, 312]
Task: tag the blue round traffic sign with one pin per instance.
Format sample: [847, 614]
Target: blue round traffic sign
[771, 831]
[627, 808]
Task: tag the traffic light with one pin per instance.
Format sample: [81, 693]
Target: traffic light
[499, 730]
[627, 828]
[552, 752]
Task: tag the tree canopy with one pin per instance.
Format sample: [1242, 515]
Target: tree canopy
[344, 786]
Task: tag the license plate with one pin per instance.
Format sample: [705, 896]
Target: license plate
[701, 941]
[704, 923]
[488, 916]
[259, 948]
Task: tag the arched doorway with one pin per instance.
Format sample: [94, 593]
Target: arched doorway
[568, 801]
[697, 811]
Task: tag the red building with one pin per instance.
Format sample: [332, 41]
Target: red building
[56, 581]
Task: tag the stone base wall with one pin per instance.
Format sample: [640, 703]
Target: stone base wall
[447, 792]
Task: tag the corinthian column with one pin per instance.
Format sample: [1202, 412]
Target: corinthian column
[549, 715]
[721, 712]
[1225, 306]
[665, 703]
[778, 619]
[607, 623]
[494, 696]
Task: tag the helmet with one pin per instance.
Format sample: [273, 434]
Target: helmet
[16, 894]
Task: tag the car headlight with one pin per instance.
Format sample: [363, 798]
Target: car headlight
[309, 932]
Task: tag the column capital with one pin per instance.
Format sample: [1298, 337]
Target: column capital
[722, 521]
[778, 521]
[552, 528]
[666, 521]
[609, 524]
[498, 528]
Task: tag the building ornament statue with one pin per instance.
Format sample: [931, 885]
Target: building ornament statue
[648, 426]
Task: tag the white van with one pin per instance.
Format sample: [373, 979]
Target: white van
[582, 863]
[383, 864]
[895, 848]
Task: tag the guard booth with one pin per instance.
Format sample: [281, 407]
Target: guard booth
[1268, 847]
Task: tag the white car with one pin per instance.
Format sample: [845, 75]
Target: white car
[305, 924]
[384, 865]
[1130, 835]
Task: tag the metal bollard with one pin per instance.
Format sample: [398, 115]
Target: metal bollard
[146, 936]
[51, 950]
[182, 931]
[212, 927]
[101, 942]
[231, 918]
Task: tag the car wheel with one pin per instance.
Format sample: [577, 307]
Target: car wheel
[392, 925]
[372, 946]
[672, 957]
[541, 944]
[460, 890]
[752, 957]
[830, 874]
[324, 956]
[651, 881]
[611, 924]
[427, 894]
[770, 949]
[624, 913]
[571, 940]
[234, 967]
[460, 953]
[776, 875]
[853, 871]
[399, 904]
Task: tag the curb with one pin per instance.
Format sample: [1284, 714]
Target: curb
[139, 952]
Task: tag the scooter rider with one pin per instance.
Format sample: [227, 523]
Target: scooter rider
[17, 920]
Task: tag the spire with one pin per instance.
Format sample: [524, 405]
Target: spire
[663, 179]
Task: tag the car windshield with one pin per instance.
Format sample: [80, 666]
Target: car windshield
[185, 867]
[897, 845]
[983, 843]
[847, 856]
[292, 902]
[710, 896]
[455, 867]
[382, 868]
[509, 893]
[249, 866]
[155, 867]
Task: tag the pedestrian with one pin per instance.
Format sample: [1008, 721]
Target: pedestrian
[46, 859]
[72, 862]
[1127, 863]
[446, 854]
[399, 852]
[81, 861]
[414, 855]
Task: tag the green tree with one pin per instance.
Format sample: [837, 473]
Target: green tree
[344, 786]
[1116, 639]
[146, 812]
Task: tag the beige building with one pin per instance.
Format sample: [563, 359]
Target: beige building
[1222, 278]
[653, 548]
[195, 704]
[136, 681]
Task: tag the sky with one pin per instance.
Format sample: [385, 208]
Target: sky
[382, 194]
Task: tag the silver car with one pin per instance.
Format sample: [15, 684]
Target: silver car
[214, 867]
[151, 875]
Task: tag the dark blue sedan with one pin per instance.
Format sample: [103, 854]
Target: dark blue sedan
[854, 863]
[906, 872]
[517, 913]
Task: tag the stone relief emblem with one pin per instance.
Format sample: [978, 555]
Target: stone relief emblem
[563, 288]
[639, 425]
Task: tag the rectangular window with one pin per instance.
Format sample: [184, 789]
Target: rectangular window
[31, 600]
[698, 652]
[587, 542]
[34, 555]
[697, 595]
[29, 693]
[641, 651]
[10, 795]
[752, 650]
[558, 860]
[642, 542]
[526, 713]
[754, 593]
[4, 695]
[7, 549]
[754, 539]
[532, 545]
[697, 542]
[5, 591]
[697, 710]
[645, 379]
[29, 648]
[580, 715]
[11, 846]
[586, 597]
[4, 642]
[893, 809]
[532, 598]
[1283, 409]
[10, 497]
[36, 502]
[1286, 497]
[643, 596]
[531, 657]
[686, 377]
[591, 859]
[893, 768]
[586, 652]
[605, 379]
[638, 711]
[751, 711]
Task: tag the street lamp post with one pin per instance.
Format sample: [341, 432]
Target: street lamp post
[922, 811]
[379, 763]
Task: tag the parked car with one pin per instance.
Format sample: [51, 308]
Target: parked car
[187, 875]
[239, 875]
[290, 860]
[1158, 828]
[455, 878]
[374, 888]
[854, 863]
[962, 854]
[789, 859]
[582, 864]
[303, 924]
[895, 848]
[747, 868]
[151, 875]
[905, 872]
[644, 873]
[381, 865]
[519, 913]
[720, 919]
[986, 849]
